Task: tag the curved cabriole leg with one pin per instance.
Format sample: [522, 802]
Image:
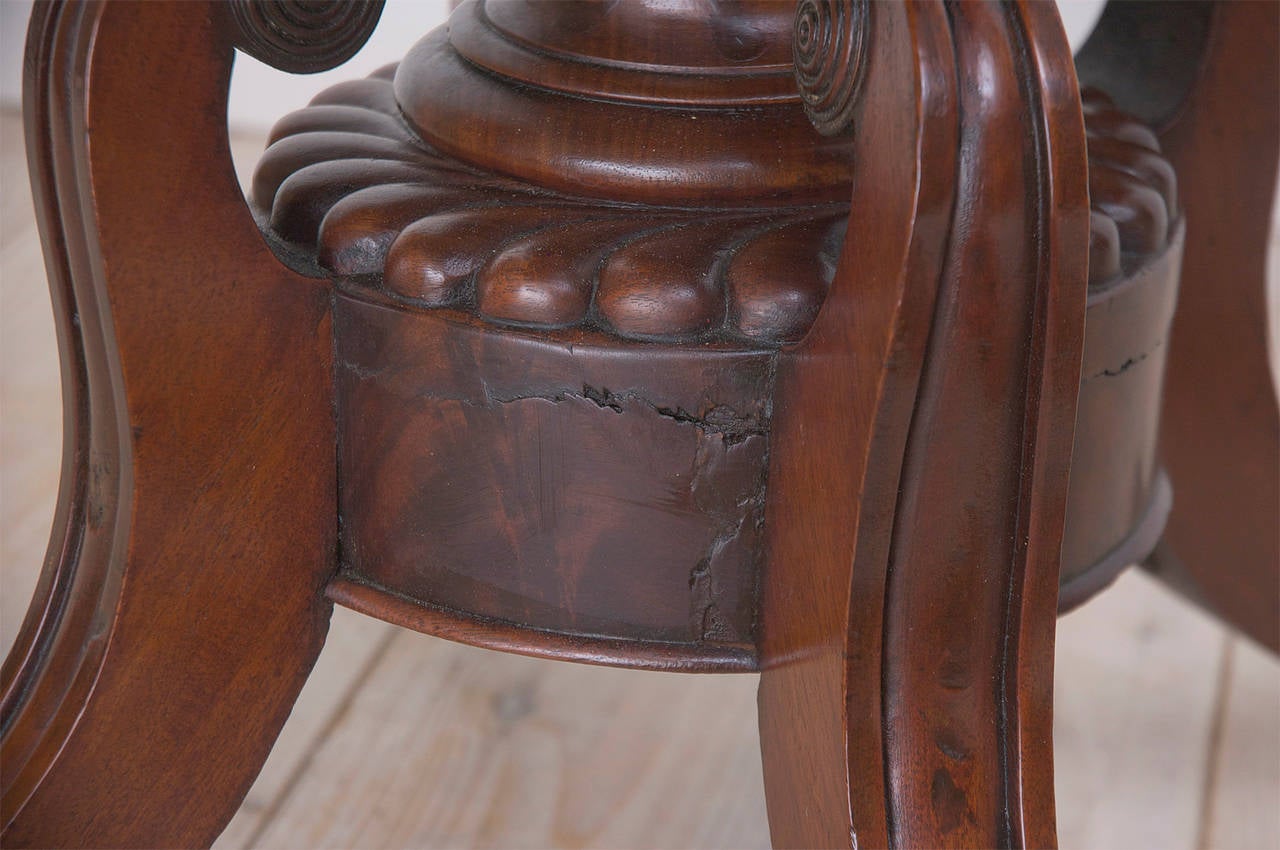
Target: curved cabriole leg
[181, 605]
[1207, 76]
[1221, 424]
[1220, 433]
[922, 441]
[1225, 146]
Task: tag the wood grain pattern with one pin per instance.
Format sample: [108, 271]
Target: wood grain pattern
[616, 758]
[1136, 684]
[1245, 769]
[1220, 433]
[899, 443]
[735, 64]
[345, 180]
[452, 746]
[1135, 670]
[423, 244]
[565, 484]
[353, 646]
[1119, 499]
[881, 723]
[149, 564]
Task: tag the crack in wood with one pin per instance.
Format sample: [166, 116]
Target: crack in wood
[1127, 364]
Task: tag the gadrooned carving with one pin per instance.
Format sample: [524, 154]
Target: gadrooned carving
[1133, 191]
[346, 179]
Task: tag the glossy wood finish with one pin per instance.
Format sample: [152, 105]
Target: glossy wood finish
[601, 493]
[180, 607]
[608, 386]
[1119, 499]
[492, 354]
[547, 122]
[560, 483]
[345, 181]
[1221, 424]
[929, 488]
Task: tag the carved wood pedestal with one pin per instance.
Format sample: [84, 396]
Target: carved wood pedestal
[822, 342]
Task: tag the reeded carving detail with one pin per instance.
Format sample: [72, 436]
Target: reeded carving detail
[829, 48]
[346, 178]
[304, 36]
[1133, 191]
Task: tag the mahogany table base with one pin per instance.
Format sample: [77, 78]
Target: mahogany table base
[828, 345]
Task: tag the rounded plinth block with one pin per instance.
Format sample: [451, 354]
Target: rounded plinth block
[555, 392]
[567, 483]
[1119, 499]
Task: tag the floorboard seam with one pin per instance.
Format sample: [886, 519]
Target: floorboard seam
[340, 712]
[1213, 755]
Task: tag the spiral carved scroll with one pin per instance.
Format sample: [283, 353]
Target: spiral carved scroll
[304, 36]
[829, 48]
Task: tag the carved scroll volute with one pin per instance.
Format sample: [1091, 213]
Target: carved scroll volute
[830, 49]
[303, 36]
[922, 434]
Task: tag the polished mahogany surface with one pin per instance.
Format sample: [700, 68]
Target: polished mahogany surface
[181, 606]
[1206, 76]
[825, 341]
[494, 329]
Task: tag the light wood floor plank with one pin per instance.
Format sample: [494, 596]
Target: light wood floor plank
[1136, 681]
[450, 746]
[353, 644]
[30, 390]
[1244, 812]
[15, 185]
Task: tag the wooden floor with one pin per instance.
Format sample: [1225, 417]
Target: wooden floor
[1168, 726]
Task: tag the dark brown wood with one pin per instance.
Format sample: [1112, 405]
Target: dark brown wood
[1208, 76]
[921, 444]
[479, 328]
[548, 123]
[468, 628]
[344, 181]
[576, 482]
[180, 608]
[303, 37]
[1118, 500]
[608, 368]
[560, 482]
